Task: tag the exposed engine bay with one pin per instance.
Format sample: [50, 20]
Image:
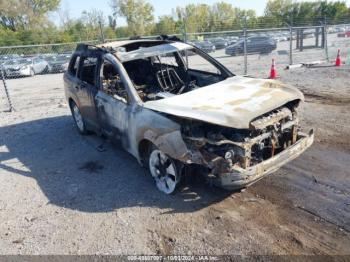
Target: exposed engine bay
[223, 148]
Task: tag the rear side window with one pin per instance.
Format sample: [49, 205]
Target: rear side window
[87, 73]
[73, 67]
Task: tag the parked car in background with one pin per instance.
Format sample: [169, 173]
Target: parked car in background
[339, 29]
[219, 42]
[4, 58]
[280, 37]
[25, 67]
[232, 40]
[346, 33]
[44, 56]
[205, 46]
[308, 34]
[255, 44]
[58, 63]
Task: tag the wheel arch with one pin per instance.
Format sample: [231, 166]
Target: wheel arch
[144, 148]
[71, 101]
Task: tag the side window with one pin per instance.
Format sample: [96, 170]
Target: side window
[112, 83]
[73, 67]
[198, 63]
[167, 59]
[87, 72]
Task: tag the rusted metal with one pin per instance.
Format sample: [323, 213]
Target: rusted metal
[273, 147]
[271, 119]
[225, 127]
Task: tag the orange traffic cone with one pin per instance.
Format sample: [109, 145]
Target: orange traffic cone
[273, 72]
[338, 60]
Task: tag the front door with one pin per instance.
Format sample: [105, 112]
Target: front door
[112, 102]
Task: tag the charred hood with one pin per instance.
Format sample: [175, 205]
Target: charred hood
[234, 102]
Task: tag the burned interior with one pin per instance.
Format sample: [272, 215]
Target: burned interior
[173, 106]
[162, 72]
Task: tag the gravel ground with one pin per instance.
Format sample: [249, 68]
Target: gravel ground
[62, 194]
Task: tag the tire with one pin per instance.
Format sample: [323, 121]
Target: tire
[78, 119]
[32, 73]
[46, 70]
[164, 170]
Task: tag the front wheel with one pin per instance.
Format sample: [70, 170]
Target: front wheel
[46, 70]
[164, 171]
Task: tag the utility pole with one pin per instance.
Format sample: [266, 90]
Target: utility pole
[185, 36]
[185, 30]
[326, 38]
[291, 35]
[245, 46]
[102, 37]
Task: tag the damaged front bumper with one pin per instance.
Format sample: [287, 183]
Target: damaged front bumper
[239, 178]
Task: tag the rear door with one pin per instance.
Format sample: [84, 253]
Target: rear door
[86, 88]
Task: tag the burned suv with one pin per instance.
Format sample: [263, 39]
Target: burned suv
[175, 109]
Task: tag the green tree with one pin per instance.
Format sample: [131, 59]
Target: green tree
[25, 14]
[278, 12]
[91, 21]
[112, 22]
[138, 15]
[222, 16]
[195, 17]
[166, 25]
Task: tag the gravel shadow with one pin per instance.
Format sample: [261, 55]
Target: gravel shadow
[73, 172]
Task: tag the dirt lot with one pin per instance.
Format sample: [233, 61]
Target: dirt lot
[62, 193]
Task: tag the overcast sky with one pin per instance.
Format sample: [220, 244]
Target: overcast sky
[161, 7]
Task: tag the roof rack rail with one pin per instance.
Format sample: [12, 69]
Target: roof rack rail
[159, 37]
[86, 47]
[170, 38]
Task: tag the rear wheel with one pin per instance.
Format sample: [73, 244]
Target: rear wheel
[78, 119]
[164, 171]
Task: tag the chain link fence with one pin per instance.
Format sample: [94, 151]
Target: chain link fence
[244, 52]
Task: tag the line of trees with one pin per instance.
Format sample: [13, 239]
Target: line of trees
[27, 21]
